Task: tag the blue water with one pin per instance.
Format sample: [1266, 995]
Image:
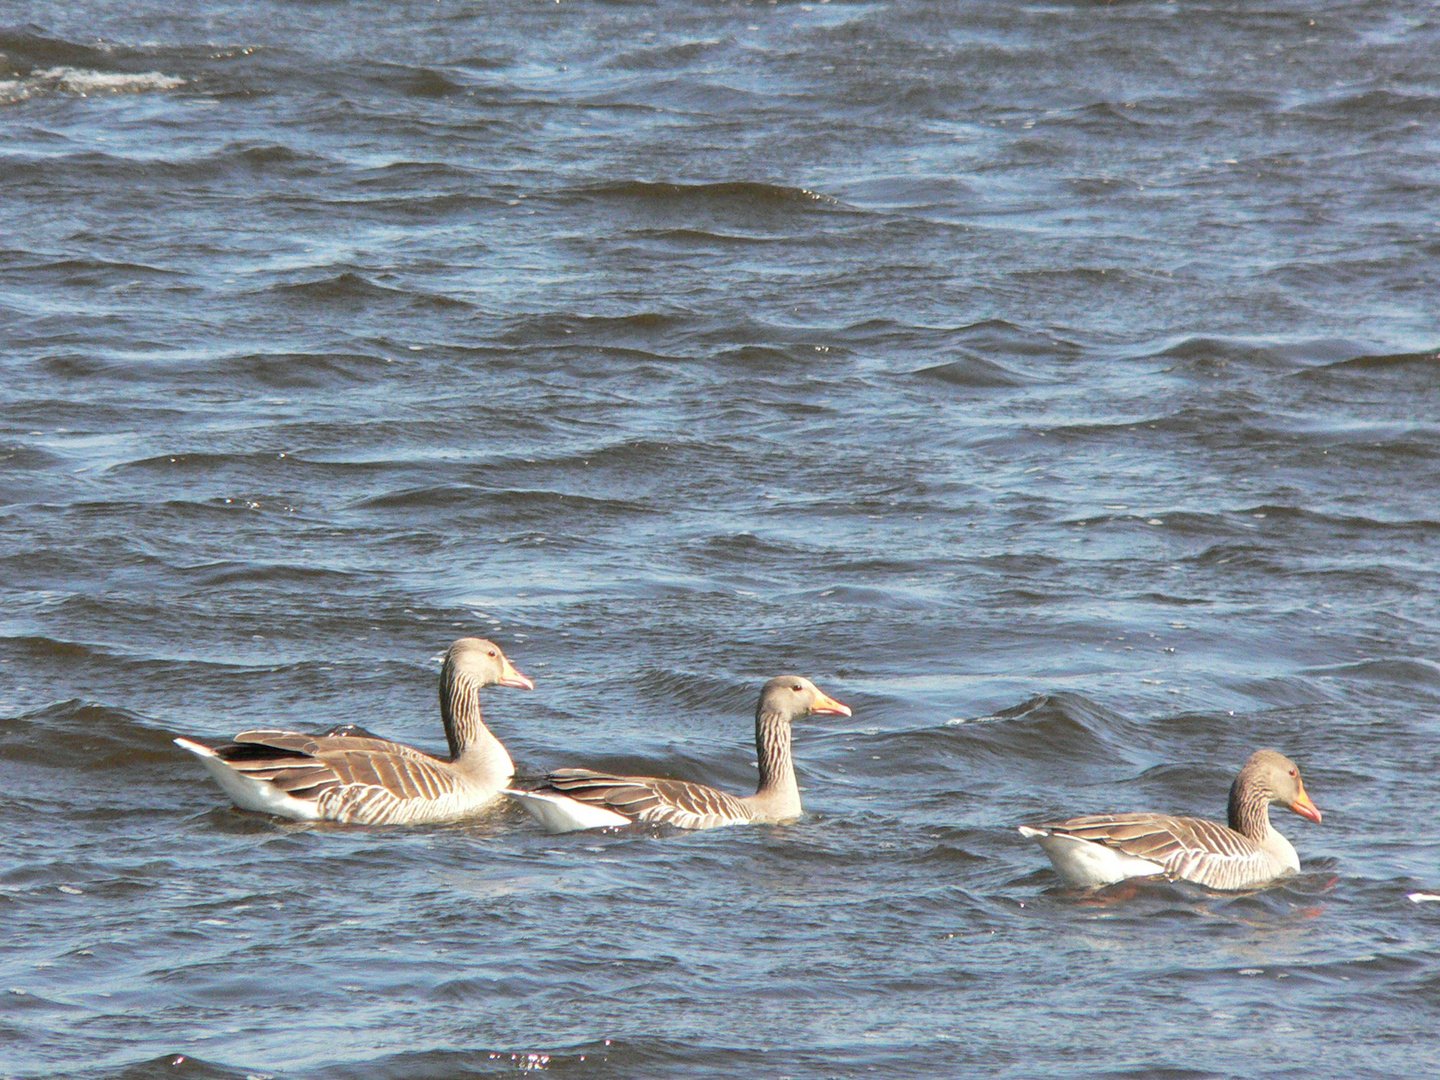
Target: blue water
[1054, 384]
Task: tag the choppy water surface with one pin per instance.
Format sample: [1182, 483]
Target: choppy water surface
[1056, 384]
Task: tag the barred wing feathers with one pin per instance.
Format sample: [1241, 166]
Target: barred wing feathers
[1191, 849]
[356, 779]
[647, 799]
[349, 737]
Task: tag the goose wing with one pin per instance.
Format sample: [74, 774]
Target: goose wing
[648, 799]
[377, 786]
[282, 759]
[1190, 849]
[357, 779]
[344, 737]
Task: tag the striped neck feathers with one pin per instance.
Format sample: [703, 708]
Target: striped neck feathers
[1250, 807]
[471, 742]
[777, 787]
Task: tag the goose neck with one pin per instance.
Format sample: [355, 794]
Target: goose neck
[472, 746]
[777, 766]
[1249, 809]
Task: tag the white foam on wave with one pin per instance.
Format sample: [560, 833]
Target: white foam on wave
[85, 83]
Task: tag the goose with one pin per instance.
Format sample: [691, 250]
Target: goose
[571, 799]
[352, 776]
[1104, 848]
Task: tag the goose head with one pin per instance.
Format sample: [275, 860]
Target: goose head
[792, 696]
[481, 662]
[1277, 779]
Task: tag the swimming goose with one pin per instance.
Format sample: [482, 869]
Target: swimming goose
[570, 799]
[1105, 848]
[366, 780]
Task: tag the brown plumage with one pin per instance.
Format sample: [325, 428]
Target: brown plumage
[570, 799]
[354, 776]
[651, 799]
[1103, 848]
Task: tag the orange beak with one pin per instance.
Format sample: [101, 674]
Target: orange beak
[510, 677]
[828, 706]
[1304, 807]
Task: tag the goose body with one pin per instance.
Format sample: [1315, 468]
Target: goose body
[570, 799]
[1101, 849]
[359, 778]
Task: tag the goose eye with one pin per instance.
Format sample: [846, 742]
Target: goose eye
[494, 653]
[1294, 772]
[797, 688]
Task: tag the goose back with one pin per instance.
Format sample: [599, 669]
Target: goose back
[571, 799]
[652, 800]
[1181, 848]
[351, 775]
